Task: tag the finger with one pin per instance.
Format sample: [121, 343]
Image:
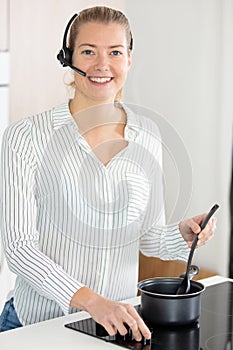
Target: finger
[134, 328]
[123, 312]
[110, 328]
[119, 325]
[208, 231]
[195, 227]
[214, 223]
[206, 235]
[141, 326]
[119, 319]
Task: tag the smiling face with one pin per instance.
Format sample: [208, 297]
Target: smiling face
[101, 50]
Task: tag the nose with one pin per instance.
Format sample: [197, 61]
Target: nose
[102, 62]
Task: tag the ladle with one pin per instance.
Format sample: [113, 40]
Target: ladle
[185, 284]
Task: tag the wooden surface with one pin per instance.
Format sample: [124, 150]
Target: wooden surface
[154, 267]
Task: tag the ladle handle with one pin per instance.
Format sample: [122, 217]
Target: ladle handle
[208, 216]
[203, 225]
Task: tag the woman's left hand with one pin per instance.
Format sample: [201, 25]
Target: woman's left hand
[191, 227]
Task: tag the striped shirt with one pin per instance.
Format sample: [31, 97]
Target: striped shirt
[67, 220]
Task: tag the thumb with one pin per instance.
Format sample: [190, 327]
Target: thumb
[195, 227]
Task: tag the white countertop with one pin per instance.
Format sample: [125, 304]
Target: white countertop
[52, 335]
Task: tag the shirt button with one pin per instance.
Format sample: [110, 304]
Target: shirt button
[131, 134]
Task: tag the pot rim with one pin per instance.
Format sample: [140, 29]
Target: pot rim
[169, 279]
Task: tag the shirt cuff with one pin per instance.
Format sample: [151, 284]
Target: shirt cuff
[175, 239]
[61, 287]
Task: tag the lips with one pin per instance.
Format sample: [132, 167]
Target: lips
[100, 80]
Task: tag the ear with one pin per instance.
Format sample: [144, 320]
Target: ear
[130, 59]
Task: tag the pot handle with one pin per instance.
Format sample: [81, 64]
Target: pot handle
[193, 271]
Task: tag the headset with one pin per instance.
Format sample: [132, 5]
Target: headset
[65, 54]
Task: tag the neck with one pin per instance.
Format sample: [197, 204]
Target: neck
[95, 115]
[89, 114]
[80, 103]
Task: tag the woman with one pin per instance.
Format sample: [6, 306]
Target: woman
[82, 192]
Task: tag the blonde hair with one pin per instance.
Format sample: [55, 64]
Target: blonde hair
[104, 15]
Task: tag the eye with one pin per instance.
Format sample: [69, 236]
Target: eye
[116, 53]
[87, 52]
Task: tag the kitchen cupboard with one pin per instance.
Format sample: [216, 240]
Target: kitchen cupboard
[154, 267]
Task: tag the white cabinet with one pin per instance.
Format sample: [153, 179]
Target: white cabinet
[6, 277]
[4, 91]
[4, 68]
[4, 23]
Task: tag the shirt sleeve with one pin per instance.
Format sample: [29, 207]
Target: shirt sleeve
[158, 239]
[164, 242]
[18, 219]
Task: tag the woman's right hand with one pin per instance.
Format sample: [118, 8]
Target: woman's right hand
[112, 315]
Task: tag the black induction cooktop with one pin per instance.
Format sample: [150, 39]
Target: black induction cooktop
[213, 331]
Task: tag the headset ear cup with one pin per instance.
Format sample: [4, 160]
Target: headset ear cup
[131, 44]
[68, 55]
[60, 57]
[65, 57]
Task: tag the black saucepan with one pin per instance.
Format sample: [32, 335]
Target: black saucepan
[161, 306]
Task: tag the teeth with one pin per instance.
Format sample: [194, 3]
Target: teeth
[99, 80]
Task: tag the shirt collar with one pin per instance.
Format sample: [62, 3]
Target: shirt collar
[61, 116]
[132, 119]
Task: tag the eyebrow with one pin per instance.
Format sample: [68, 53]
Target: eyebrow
[92, 45]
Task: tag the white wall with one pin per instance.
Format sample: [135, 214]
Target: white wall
[182, 68]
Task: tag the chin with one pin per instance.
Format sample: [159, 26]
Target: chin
[104, 99]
